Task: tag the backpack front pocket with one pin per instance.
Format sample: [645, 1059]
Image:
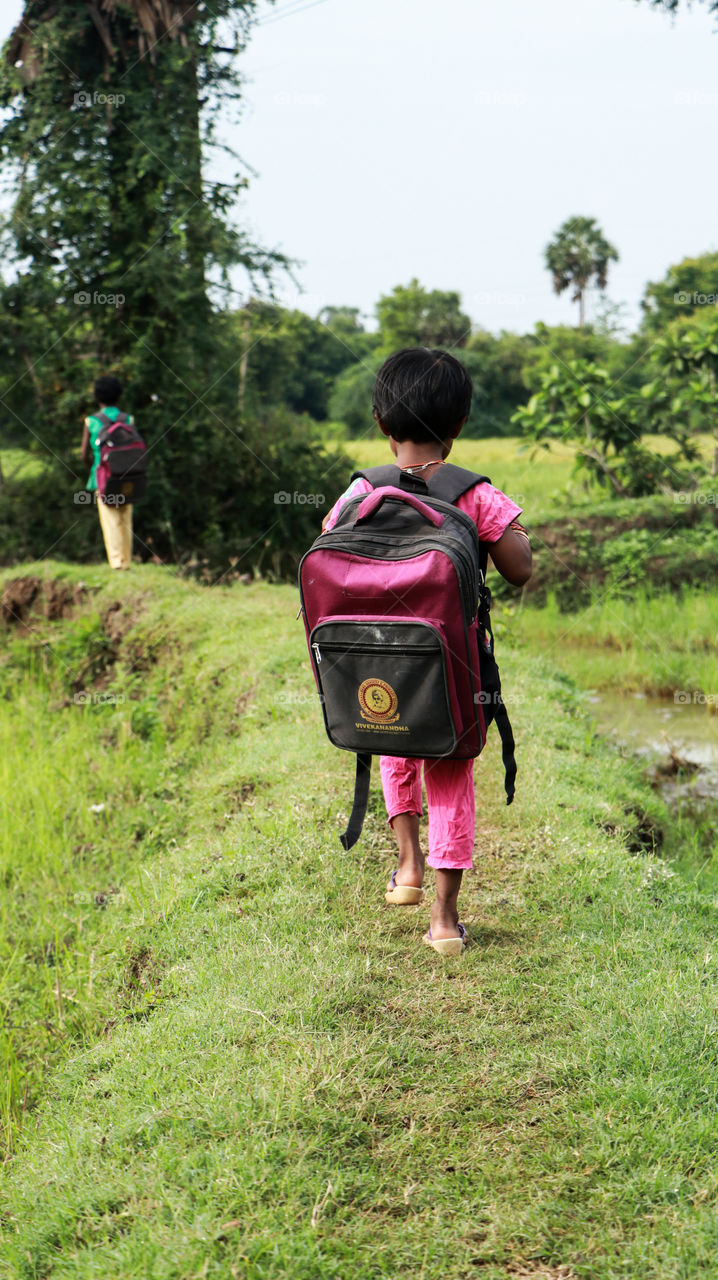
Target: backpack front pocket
[384, 686]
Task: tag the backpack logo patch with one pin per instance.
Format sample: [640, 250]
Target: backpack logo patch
[378, 702]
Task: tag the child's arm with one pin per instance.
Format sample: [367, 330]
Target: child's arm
[512, 555]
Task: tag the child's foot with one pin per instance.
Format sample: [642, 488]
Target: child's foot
[452, 946]
[443, 924]
[446, 935]
[404, 888]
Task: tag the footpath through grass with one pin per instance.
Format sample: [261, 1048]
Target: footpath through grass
[252, 1068]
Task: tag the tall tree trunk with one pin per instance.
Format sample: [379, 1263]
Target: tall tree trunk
[244, 362]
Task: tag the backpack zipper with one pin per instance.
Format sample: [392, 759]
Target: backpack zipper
[332, 646]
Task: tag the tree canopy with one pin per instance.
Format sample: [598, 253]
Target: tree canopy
[579, 255]
[673, 6]
[688, 286]
[412, 316]
[118, 249]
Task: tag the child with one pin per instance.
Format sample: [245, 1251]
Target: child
[115, 518]
[422, 399]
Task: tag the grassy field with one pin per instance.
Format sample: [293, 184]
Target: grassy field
[227, 1057]
[508, 462]
[655, 644]
[538, 480]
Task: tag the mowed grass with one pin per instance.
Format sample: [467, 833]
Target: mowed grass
[253, 1067]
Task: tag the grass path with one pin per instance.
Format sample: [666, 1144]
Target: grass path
[294, 1087]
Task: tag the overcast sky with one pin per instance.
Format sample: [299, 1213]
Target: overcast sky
[400, 138]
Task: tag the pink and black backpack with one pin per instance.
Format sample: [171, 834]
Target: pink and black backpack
[397, 615]
[122, 469]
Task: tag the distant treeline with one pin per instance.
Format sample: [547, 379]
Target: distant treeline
[324, 366]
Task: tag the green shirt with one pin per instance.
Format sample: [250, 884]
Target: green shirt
[94, 427]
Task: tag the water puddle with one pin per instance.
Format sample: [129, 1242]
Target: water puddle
[678, 740]
[678, 744]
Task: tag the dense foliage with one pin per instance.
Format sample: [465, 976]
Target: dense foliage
[120, 254]
[577, 401]
[118, 250]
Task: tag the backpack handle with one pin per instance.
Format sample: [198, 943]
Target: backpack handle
[373, 501]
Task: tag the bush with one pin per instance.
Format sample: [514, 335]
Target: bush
[254, 508]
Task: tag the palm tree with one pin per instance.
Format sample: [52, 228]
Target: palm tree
[578, 256]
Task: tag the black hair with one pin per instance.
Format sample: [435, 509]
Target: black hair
[107, 389]
[421, 394]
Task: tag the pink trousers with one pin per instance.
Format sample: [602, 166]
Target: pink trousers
[450, 800]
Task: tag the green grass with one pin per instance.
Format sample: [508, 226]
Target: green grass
[531, 482]
[655, 644]
[20, 463]
[251, 1067]
[540, 480]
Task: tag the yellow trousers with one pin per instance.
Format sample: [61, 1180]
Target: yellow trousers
[116, 525]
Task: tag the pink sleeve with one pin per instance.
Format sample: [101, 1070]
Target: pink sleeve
[357, 486]
[490, 509]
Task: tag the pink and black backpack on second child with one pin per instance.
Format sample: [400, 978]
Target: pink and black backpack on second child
[122, 469]
[397, 616]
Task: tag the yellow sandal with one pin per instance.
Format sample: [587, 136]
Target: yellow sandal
[403, 895]
[448, 946]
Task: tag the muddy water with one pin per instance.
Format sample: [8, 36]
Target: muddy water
[678, 740]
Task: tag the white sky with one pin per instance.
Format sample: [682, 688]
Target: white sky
[400, 138]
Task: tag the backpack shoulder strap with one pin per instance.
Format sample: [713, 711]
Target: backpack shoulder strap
[379, 476]
[448, 482]
[122, 420]
[361, 800]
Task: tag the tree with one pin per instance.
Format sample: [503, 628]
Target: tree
[351, 398]
[495, 363]
[293, 359]
[688, 287]
[412, 316]
[116, 242]
[672, 6]
[578, 255]
[576, 401]
[684, 387]
[563, 343]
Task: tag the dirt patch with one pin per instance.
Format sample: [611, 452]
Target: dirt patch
[540, 1271]
[143, 970]
[53, 599]
[60, 598]
[644, 835]
[244, 791]
[115, 623]
[18, 596]
[141, 986]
